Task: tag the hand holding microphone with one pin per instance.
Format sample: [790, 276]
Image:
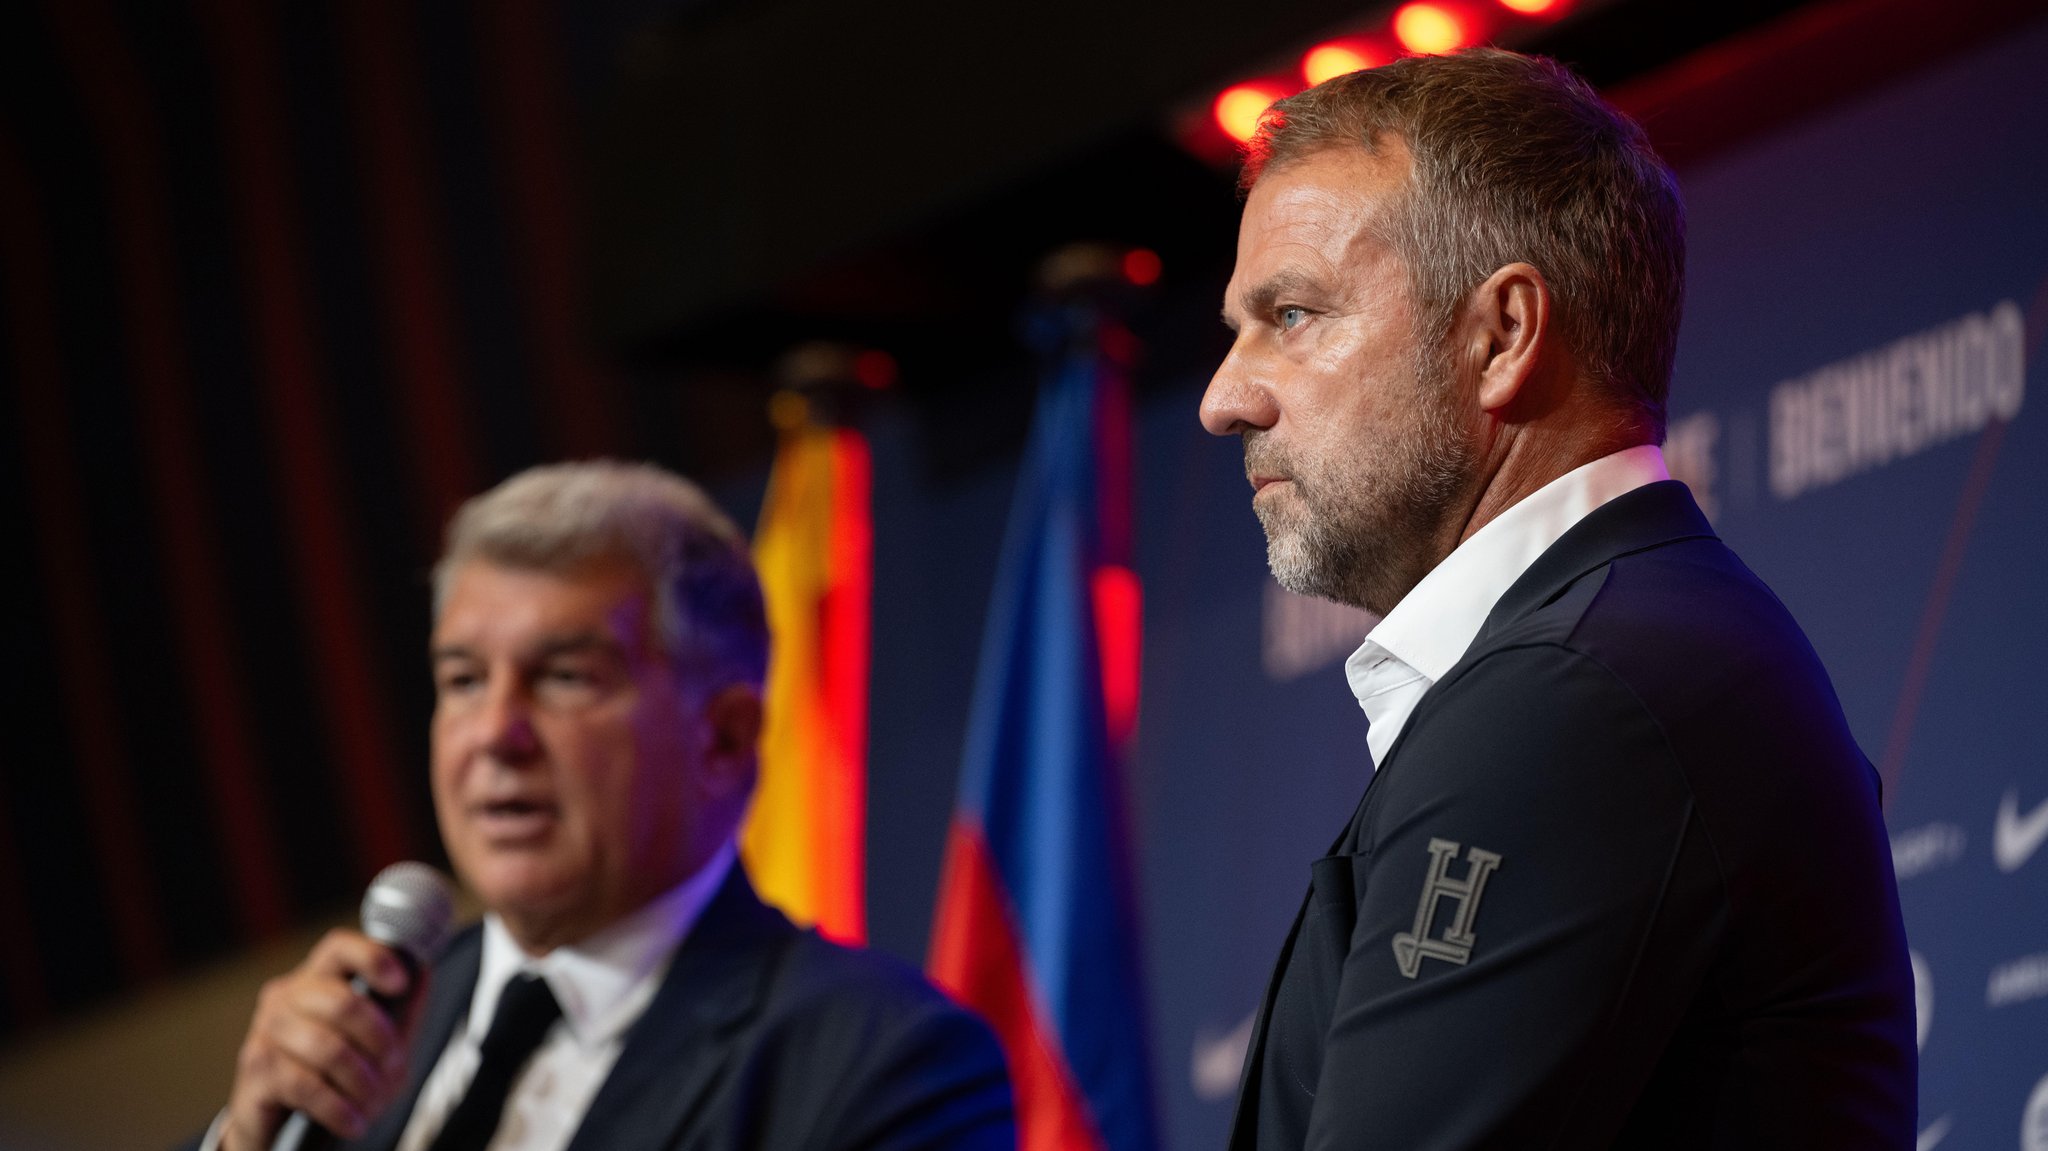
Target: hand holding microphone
[326, 1050]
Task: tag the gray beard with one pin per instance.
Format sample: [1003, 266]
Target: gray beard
[1369, 545]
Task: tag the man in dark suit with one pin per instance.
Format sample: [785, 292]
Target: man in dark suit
[1620, 878]
[598, 653]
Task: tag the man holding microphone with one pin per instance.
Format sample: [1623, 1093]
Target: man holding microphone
[598, 654]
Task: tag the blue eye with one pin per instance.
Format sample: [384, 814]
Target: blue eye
[1291, 317]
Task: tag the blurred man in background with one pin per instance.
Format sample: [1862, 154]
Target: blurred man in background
[598, 654]
[1620, 878]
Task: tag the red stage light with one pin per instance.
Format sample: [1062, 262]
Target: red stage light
[875, 370]
[1239, 107]
[1532, 7]
[1325, 61]
[1142, 266]
[1429, 29]
[1119, 642]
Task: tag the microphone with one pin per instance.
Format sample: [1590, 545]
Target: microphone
[408, 908]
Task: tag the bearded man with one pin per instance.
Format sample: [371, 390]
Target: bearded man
[1620, 878]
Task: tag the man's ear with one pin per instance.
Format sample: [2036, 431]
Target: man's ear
[1506, 332]
[732, 734]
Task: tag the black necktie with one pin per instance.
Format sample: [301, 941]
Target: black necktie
[526, 1009]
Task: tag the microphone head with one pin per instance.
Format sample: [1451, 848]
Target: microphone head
[409, 908]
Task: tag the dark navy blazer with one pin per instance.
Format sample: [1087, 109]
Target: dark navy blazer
[1622, 881]
[765, 1036]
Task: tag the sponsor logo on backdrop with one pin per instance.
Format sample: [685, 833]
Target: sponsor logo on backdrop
[2034, 1120]
[1919, 850]
[1218, 1060]
[1301, 634]
[2015, 837]
[1897, 401]
[2017, 981]
[1923, 999]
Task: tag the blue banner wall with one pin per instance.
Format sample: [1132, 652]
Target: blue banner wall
[1861, 373]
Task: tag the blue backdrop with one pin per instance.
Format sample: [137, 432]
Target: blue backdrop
[1868, 299]
[1856, 403]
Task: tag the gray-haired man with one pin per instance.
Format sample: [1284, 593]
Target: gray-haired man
[598, 655]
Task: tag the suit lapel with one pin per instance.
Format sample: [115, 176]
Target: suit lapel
[1244, 1133]
[1243, 1125]
[1647, 517]
[452, 985]
[675, 1052]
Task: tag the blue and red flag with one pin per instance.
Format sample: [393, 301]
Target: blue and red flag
[1036, 924]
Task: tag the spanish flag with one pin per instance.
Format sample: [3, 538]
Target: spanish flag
[805, 839]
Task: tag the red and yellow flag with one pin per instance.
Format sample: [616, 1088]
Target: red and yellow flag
[805, 839]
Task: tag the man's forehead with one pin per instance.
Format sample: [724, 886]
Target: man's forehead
[1306, 219]
[531, 604]
[1331, 175]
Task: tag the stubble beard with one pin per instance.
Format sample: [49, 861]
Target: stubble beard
[1366, 535]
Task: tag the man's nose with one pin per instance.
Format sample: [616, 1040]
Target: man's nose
[508, 722]
[1236, 401]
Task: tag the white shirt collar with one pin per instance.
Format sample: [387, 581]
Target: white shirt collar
[1428, 631]
[605, 981]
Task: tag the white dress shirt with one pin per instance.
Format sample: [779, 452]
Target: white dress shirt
[1424, 636]
[603, 984]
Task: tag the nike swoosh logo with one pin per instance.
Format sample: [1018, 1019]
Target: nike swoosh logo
[1935, 1133]
[2014, 840]
[1218, 1060]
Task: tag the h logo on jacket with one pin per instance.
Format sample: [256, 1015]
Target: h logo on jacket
[1455, 946]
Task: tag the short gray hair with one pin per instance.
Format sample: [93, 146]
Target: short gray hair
[1516, 159]
[561, 517]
